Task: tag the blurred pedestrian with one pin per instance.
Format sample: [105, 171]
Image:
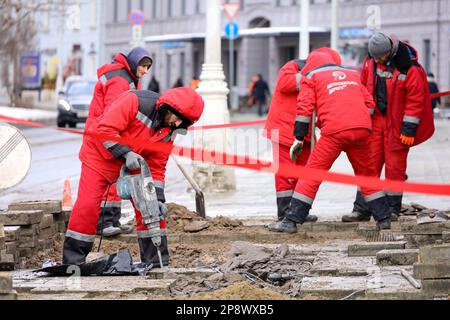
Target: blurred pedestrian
[260, 92]
[178, 84]
[195, 82]
[432, 85]
[154, 85]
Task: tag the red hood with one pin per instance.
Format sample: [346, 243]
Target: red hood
[333, 53]
[120, 62]
[317, 59]
[185, 100]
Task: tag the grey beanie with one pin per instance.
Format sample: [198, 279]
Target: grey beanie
[379, 45]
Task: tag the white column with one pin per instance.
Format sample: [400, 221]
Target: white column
[214, 91]
[334, 24]
[304, 29]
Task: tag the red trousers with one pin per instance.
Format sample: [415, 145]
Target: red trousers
[284, 185]
[86, 211]
[354, 143]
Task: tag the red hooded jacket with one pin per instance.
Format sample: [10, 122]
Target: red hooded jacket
[114, 79]
[408, 96]
[135, 115]
[335, 93]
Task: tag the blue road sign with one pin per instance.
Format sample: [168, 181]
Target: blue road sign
[232, 30]
[30, 73]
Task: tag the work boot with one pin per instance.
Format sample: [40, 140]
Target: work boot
[394, 216]
[285, 225]
[124, 228]
[311, 218]
[384, 224]
[355, 216]
[149, 253]
[110, 231]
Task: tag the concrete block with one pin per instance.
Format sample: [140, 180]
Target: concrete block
[431, 271]
[21, 218]
[436, 286]
[25, 252]
[333, 287]
[401, 257]
[419, 240]
[62, 227]
[11, 248]
[427, 228]
[345, 226]
[31, 230]
[12, 233]
[366, 230]
[2, 231]
[45, 244]
[435, 254]
[173, 273]
[28, 241]
[340, 264]
[8, 296]
[5, 283]
[47, 207]
[446, 236]
[48, 233]
[47, 221]
[6, 261]
[371, 248]
[62, 216]
[323, 227]
[2, 242]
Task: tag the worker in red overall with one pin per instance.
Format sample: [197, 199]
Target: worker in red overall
[115, 78]
[343, 108]
[144, 116]
[403, 115]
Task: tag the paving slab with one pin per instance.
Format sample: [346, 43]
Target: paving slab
[431, 271]
[333, 287]
[436, 286]
[371, 248]
[435, 254]
[97, 285]
[173, 273]
[340, 264]
[398, 257]
[393, 286]
[426, 228]
[20, 218]
[47, 207]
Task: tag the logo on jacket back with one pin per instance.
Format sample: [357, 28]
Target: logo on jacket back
[339, 75]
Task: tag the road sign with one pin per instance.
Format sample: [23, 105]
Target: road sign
[231, 10]
[30, 73]
[136, 17]
[232, 30]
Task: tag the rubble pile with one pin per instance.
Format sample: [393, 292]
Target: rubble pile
[278, 271]
[180, 219]
[29, 230]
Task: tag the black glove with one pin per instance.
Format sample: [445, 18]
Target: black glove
[301, 130]
[409, 129]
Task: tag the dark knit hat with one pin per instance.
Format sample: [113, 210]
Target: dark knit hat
[379, 45]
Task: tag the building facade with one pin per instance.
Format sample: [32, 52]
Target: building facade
[174, 32]
[70, 38]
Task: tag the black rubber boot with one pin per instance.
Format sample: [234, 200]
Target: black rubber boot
[298, 211]
[381, 212]
[395, 205]
[355, 216]
[75, 251]
[108, 215]
[149, 254]
[384, 224]
[282, 206]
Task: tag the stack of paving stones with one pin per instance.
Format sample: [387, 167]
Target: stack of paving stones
[433, 269]
[418, 235]
[6, 287]
[28, 228]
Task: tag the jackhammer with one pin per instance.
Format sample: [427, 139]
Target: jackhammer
[140, 188]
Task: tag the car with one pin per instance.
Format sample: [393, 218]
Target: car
[73, 104]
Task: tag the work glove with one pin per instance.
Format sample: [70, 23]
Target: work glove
[163, 209]
[296, 149]
[406, 140]
[132, 160]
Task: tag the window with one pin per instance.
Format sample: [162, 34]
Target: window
[183, 7]
[154, 9]
[427, 54]
[93, 19]
[197, 6]
[169, 8]
[116, 11]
